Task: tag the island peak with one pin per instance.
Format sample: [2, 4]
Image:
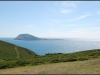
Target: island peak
[26, 37]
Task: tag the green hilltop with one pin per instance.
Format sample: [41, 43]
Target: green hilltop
[16, 56]
[11, 51]
[13, 56]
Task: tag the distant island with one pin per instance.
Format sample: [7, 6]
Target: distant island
[26, 37]
[30, 37]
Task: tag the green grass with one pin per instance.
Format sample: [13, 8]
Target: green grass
[9, 55]
[15, 56]
[77, 67]
[7, 51]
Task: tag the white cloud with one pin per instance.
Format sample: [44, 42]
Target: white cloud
[64, 6]
[80, 17]
[68, 4]
[66, 11]
[80, 33]
[95, 28]
[56, 34]
[85, 33]
[30, 27]
[77, 33]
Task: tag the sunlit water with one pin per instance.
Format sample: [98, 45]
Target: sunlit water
[43, 47]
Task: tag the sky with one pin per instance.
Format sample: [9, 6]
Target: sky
[50, 19]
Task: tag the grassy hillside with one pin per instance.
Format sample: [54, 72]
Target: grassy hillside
[11, 51]
[77, 56]
[15, 56]
[77, 67]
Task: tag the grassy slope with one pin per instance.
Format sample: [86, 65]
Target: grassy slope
[13, 56]
[8, 51]
[77, 67]
[77, 56]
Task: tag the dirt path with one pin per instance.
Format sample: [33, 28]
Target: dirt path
[18, 56]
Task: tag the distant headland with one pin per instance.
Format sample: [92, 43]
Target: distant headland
[31, 37]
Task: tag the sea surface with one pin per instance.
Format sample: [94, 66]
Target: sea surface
[43, 47]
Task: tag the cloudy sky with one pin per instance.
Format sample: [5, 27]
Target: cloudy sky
[55, 19]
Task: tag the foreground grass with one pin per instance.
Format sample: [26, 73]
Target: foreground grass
[77, 67]
[49, 58]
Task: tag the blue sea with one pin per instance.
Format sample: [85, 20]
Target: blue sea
[69, 45]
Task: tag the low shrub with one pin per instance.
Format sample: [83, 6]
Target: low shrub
[82, 58]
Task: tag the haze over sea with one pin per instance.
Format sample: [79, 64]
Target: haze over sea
[68, 45]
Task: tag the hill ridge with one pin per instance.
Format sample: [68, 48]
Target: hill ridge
[12, 51]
